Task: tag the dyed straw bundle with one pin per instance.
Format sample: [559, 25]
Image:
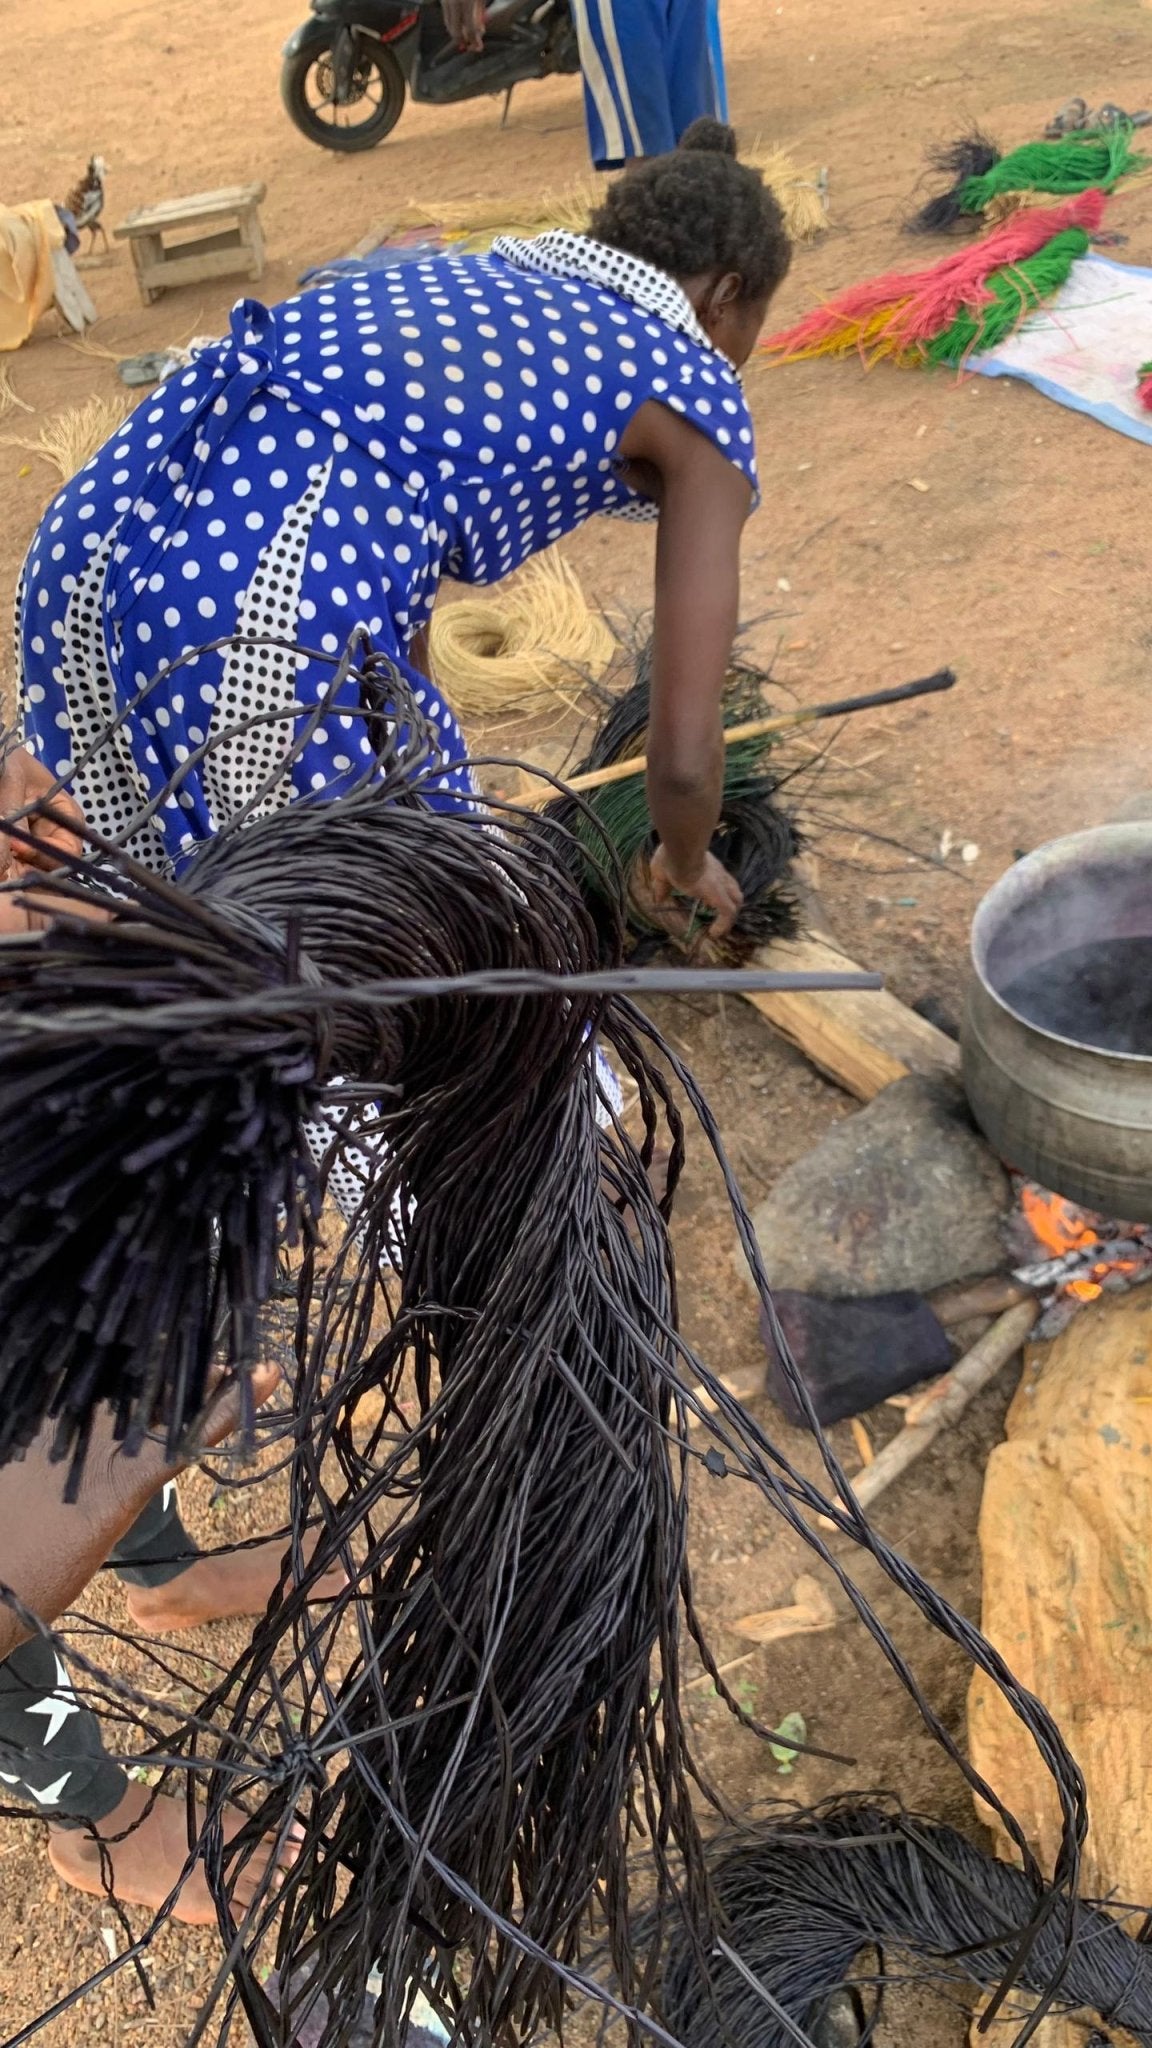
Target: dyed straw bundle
[474, 1732]
[966, 303]
[981, 179]
[757, 839]
[801, 1900]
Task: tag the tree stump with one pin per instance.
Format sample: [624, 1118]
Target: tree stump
[1066, 1538]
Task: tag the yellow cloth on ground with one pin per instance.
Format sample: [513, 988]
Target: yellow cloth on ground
[28, 236]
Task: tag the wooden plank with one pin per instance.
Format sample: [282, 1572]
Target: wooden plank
[71, 294]
[1064, 1539]
[252, 236]
[205, 245]
[864, 1039]
[172, 213]
[192, 268]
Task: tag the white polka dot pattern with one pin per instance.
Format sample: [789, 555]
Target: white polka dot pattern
[257, 679]
[320, 470]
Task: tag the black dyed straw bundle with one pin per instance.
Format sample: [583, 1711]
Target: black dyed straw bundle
[480, 1731]
[798, 1902]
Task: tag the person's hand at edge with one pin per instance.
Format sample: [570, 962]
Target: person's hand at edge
[711, 885]
[464, 21]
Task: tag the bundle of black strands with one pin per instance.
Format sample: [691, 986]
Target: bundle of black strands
[478, 1731]
[757, 839]
[798, 1900]
[969, 156]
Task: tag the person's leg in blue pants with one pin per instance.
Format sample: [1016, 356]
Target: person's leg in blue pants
[716, 47]
[692, 49]
[649, 72]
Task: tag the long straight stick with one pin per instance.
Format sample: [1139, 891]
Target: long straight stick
[759, 728]
[939, 1406]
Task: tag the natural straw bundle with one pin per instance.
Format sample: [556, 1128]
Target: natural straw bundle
[538, 636]
[801, 191]
[10, 401]
[70, 439]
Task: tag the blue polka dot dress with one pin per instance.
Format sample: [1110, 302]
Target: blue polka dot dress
[324, 468]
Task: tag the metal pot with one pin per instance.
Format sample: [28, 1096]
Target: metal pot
[1071, 1116]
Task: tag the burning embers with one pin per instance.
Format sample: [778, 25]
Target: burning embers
[1070, 1256]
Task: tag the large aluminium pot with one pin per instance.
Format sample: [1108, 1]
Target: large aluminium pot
[1069, 1115]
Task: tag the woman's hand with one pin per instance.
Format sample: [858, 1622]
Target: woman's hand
[464, 21]
[711, 885]
[23, 780]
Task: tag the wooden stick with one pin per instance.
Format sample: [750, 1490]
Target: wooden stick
[947, 1400]
[740, 1390]
[810, 1612]
[706, 1678]
[758, 728]
[989, 1297]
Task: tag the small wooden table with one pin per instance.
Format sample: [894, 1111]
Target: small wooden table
[231, 239]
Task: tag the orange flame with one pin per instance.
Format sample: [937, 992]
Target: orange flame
[1084, 1290]
[1057, 1224]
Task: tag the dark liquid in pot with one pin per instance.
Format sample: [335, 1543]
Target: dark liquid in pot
[1100, 995]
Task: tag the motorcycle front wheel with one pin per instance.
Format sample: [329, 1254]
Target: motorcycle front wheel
[372, 106]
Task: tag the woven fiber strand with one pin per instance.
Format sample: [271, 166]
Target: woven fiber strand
[477, 1734]
[816, 1900]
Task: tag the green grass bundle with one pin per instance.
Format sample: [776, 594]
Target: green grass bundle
[967, 301]
[980, 177]
[1015, 292]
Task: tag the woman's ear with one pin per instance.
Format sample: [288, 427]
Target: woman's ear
[722, 297]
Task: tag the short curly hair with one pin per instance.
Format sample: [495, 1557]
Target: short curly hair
[698, 210]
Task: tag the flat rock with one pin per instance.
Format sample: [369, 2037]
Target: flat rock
[904, 1194]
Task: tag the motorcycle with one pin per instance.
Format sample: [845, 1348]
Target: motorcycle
[349, 69]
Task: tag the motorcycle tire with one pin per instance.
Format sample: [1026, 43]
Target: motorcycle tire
[381, 68]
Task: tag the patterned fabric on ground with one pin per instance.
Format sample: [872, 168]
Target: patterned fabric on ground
[1084, 347]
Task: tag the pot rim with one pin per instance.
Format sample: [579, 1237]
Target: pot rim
[1013, 890]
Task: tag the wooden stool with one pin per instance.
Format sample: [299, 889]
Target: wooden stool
[233, 240]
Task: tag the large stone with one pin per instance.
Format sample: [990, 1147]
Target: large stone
[902, 1195]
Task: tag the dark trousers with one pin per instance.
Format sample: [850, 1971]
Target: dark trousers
[52, 1754]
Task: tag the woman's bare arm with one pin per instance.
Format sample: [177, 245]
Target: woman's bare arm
[704, 503]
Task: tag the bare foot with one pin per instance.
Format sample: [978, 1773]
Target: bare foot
[219, 1588]
[146, 1864]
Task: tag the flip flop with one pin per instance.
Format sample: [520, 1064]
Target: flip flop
[1069, 118]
